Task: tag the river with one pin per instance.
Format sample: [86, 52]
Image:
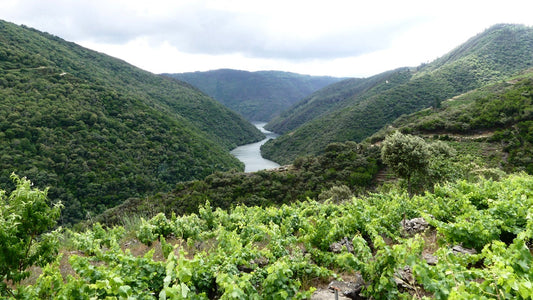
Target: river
[250, 154]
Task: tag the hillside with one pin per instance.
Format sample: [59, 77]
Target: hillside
[355, 109]
[343, 164]
[258, 96]
[335, 96]
[98, 130]
[464, 240]
[497, 118]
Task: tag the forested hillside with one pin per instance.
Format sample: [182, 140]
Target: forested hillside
[496, 119]
[98, 130]
[355, 109]
[349, 165]
[424, 208]
[258, 96]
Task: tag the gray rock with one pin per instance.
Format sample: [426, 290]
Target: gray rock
[349, 289]
[337, 247]
[414, 226]
[404, 278]
[462, 250]
[326, 294]
[430, 259]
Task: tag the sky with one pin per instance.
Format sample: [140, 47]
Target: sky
[338, 38]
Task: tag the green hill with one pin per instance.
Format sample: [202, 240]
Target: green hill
[496, 119]
[99, 130]
[354, 109]
[258, 96]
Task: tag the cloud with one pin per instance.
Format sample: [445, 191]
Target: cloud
[274, 30]
[334, 37]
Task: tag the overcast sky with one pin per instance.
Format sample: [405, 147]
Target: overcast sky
[330, 37]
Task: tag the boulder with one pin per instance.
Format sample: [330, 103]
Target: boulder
[430, 259]
[404, 278]
[327, 294]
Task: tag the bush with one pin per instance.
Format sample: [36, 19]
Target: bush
[25, 221]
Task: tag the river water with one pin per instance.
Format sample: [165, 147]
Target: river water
[250, 154]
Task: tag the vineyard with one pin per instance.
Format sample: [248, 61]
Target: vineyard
[286, 252]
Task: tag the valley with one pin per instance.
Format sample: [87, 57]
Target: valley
[250, 154]
[354, 109]
[257, 96]
[116, 183]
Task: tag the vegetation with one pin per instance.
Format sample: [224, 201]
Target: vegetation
[359, 108]
[25, 240]
[343, 164]
[98, 131]
[258, 96]
[333, 97]
[500, 114]
[409, 156]
[406, 155]
[283, 252]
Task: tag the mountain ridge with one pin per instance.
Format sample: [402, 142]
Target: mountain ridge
[259, 95]
[99, 130]
[403, 91]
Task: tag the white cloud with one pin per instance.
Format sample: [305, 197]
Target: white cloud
[335, 37]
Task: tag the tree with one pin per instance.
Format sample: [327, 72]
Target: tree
[25, 221]
[406, 155]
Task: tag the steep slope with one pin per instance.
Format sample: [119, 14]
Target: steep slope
[497, 116]
[333, 97]
[258, 96]
[99, 130]
[494, 54]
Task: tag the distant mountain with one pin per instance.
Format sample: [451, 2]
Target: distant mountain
[354, 109]
[98, 130]
[258, 96]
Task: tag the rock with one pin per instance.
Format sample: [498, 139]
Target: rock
[337, 247]
[404, 278]
[245, 269]
[461, 249]
[326, 294]
[414, 226]
[349, 289]
[430, 259]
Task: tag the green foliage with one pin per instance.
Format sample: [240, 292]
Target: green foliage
[342, 164]
[413, 159]
[98, 130]
[406, 155]
[493, 119]
[283, 252]
[258, 96]
[354, 109]
[26, 219]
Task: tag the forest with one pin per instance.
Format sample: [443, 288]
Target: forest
[257, 96]
[118, 184]
[98, 131]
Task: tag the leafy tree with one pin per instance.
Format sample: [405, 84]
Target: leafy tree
[25, 240]
[406, 155]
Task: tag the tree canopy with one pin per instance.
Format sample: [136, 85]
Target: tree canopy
[406, 155]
